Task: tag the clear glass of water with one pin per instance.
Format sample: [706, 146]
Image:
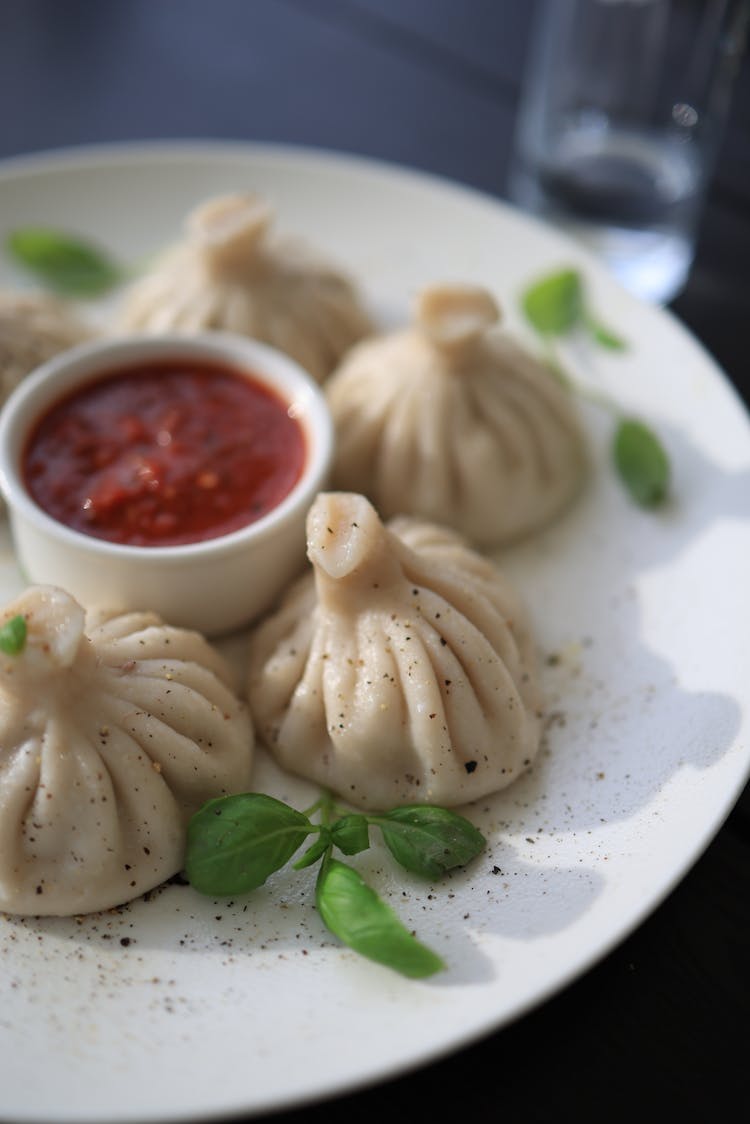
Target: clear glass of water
[619, 126]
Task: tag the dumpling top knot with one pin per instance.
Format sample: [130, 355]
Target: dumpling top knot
[449, 419]
[456, 317]
[228, 233]
[350, 550]
[401, 669]
[232, 273]
[54, 634]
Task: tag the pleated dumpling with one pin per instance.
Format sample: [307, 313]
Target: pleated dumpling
[230, 273]
[112, 732]
[402, 669]
[451, 420]
[33, 328]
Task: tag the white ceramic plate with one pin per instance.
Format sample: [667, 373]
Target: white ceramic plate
[643, 624]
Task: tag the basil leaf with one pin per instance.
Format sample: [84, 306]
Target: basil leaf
[357, 916]
[315, 850]
[351, 834]
[13, 636]
[641, 461]
[604, 336]
[554, 304]
[235, 842]
[62, 263]
[429, 841]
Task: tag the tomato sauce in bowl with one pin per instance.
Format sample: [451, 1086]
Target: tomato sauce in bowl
[164, 453]
[170, 472]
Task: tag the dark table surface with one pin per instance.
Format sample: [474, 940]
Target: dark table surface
[661, 1023]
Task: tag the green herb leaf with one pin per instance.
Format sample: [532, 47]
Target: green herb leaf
[357, 916]
[554, 304]
[235, 842]
[351, 834]
[429, 841]
[604, 336]
[63, 263]
[13, 636]
[315, 850]
[641, 461]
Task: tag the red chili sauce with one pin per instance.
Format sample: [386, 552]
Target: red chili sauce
[164, 453]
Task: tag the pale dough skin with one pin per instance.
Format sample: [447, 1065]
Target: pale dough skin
[452, 421]
[113, 731]
[34, 327]
[401, 669]
[230, 274]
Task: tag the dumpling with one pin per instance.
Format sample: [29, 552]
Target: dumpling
[230, 273]
[112, 732]
[33, 328]
[402, 669]
[452, 421]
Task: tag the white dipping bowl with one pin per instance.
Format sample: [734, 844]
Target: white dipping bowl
[215, 585]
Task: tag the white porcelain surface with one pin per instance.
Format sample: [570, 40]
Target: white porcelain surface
[214, 586]
[215, 1008]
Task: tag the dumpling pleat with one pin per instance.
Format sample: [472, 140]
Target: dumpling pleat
[304, 720]
[397, 455]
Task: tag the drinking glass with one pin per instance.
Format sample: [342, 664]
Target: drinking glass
[621, 117]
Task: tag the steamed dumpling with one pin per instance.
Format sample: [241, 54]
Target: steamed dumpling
[33, 328]
[229, 273]
[112, 732]
[402, 669]
[451, 420]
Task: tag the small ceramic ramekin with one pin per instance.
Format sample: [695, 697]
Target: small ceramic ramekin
[216, 585]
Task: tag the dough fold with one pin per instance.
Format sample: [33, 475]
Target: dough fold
[34, 327]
